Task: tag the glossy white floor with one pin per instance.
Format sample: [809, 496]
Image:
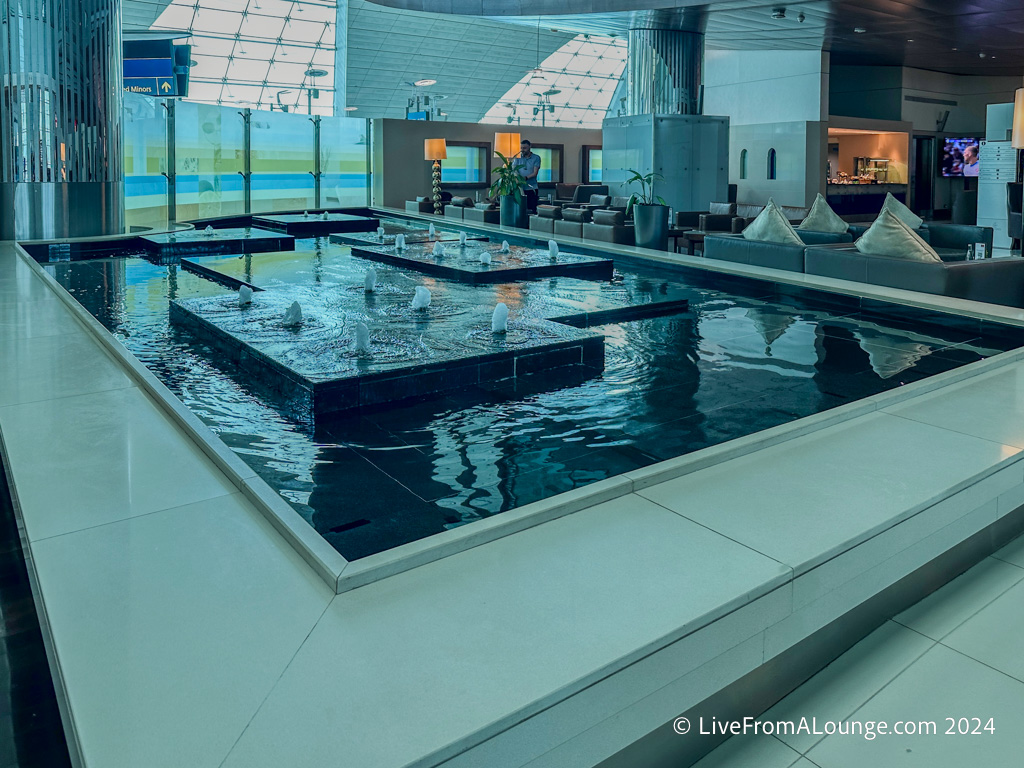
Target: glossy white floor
[959, 653]
[186, 631]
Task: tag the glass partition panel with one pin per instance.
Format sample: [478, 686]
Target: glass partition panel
[145, 161]
[282, 162]
[209, 155]
[344, 162]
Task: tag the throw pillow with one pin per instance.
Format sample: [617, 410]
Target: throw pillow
[771, 226]
[889, 236]
[821, 218]
[901, 212]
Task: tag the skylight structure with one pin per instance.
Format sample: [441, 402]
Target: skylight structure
[258, 53]
[572, 88]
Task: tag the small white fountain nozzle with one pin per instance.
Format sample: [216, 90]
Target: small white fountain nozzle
[244, 295]
[421, 300]
[370, 281]
[438, 249]
[505, 248]
[293, 316]
[553, 249]
[499, 318]
[362, 342]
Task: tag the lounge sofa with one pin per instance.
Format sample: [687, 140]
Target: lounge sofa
[544, 219]
[609, 227]
[740, 250]
[421, 204]
[949, 240]
[572, 221]
[456, 209]
[718, 216]
[746, 213]
[581, 194]
[486, 213]
[995, 281]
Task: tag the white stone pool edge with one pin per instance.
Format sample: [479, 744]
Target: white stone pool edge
[342, 575]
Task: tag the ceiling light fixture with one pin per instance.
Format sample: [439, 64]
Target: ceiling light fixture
[351, 109]
[859, 30]
[778, 13]
[425, 82]
[801, 17]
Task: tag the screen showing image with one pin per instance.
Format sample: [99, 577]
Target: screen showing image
[960, 156]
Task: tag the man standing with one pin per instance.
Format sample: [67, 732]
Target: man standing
[529, 166]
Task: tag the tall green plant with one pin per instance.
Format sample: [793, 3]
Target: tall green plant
[646, 194]
[509, 182]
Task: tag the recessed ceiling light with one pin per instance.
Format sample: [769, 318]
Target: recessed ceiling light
[859, 30]
[778, 13]
[981, 55]
[426, 81]
[351, 109]
[910, 39]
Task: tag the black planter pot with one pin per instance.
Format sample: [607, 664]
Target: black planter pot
[650, 223]
[513, 214]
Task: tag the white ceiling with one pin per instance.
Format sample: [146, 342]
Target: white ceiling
[475, 61]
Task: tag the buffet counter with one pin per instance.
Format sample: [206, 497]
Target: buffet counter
[863, 200]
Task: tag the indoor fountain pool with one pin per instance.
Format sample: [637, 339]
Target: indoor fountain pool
[687, 359]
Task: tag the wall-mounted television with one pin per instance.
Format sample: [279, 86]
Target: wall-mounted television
[960, 156]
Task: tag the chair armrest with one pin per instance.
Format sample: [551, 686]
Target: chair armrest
[689, 218]
[958, 236]
[716, 222]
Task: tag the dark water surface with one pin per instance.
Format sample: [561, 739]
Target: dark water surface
[742, 359]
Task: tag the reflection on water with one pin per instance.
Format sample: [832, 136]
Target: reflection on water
[734, 364]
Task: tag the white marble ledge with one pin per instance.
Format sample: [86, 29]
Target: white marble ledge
[807, 500]
[435, 660]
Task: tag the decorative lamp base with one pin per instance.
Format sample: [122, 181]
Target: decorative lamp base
[437, 187]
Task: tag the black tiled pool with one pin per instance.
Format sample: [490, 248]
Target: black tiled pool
[746, 356]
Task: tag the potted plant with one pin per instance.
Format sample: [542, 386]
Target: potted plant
[509, 186]
[650, 213]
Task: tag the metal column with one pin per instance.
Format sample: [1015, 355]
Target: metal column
[664, 71]
[62, 173]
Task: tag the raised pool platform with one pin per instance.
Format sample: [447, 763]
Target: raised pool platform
[237, 240]
[315, 225]
[681, 580]
[315, 365]
[469, 264]
[412, 235]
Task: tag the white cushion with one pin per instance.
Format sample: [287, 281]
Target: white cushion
[889, 236]
[901, 212]
[771, 226]
[821, 218]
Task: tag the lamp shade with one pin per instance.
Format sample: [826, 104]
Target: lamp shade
[1018, 120]
[506, 143]
[435, 149]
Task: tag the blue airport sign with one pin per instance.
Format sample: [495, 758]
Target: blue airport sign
[138, 68]
[151, 86]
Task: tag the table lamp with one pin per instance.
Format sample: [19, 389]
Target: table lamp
[507, 144]
[436, 150]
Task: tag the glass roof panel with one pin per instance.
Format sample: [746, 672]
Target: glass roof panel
[585, 72]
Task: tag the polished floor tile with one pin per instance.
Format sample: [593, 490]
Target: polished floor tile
[750, 752]
[173, 627]
[947, 608]
[984, 635]
[124, 458]
[35, 319]
[845, 684]
[941, 684]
